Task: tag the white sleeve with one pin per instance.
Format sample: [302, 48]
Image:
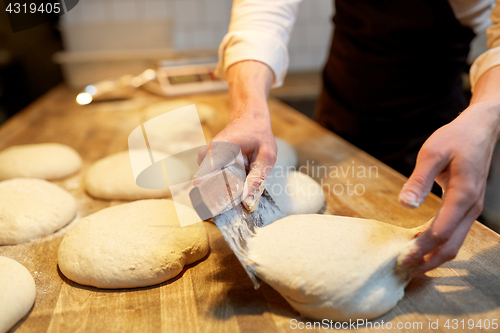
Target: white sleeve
[490, 58]
[259, 30]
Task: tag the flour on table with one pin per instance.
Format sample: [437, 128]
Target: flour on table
[17, 292]
[44, 160]
[32, 208]
[333, 267]
[112, 178]
[131, 245]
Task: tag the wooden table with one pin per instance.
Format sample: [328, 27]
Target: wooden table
[215, 295]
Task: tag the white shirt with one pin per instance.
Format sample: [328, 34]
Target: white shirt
[260, 30]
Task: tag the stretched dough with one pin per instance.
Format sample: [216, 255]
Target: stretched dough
[43, 160]
[17, 292]
[112, 178]
[296, 193]
[32, 208]
[131, 245]
[333, 267]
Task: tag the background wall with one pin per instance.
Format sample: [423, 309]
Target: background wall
[203, 23]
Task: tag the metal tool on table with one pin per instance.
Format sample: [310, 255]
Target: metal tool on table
[217, 193]
[167, 78]
[116, 89]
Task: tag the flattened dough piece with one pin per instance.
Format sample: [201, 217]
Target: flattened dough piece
[333, 267]
[296, 193]
[131, 245]
[32, 208]
[112, 178]
[17, 292]
[42, 160]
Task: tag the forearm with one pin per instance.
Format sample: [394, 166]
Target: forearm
[486, 99]
[249, 85]
[487, 88]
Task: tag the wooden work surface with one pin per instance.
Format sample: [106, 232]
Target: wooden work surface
[215, 295]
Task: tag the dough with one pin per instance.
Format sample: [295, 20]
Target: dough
[332, 267]
[32, 208]
[131, 245]
[43, 160]
[112, 178]
[286, 158]
[180, 134]
[296, 193]
[17, 292]
[205, 112]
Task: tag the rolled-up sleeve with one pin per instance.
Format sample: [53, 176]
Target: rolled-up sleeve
[259, 30]
[490, 58]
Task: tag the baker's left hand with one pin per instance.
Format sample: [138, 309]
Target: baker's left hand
[457, 156]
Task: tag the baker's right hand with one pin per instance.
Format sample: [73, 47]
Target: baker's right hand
[249, 125]
[258, 148]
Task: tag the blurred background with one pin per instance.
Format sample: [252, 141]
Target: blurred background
[103, 39]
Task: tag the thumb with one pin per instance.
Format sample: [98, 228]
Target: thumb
[202, 152]
[256, 180]
[418, 186]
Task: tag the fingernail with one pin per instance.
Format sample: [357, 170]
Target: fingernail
[249, 203]
[409, 199]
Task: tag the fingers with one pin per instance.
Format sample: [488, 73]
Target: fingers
[441, 241]
[445, 252]
[429, 166]
[257, 177]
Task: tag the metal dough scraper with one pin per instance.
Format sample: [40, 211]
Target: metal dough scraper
[217, 191]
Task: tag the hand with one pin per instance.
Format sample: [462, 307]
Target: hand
[250, 125]
[258, 148]
[458, 157]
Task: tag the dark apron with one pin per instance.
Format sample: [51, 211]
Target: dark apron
[393, 75]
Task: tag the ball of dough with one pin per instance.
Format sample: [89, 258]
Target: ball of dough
[17, 292]
[295, 193]
[32, 208]
[205, 112]
[333, 267]
[43, 160]
[183, 133]
[131, 245]
[112, 178]
[286, 157]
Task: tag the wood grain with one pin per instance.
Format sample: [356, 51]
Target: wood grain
[215, 295]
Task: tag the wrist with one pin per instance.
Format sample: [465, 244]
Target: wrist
[249, 84]
[485, 100]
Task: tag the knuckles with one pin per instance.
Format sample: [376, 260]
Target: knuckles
[432, 152]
